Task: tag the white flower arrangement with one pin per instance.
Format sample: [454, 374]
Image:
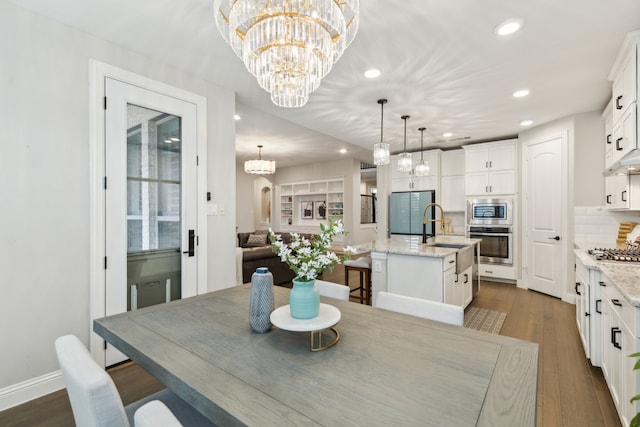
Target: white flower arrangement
[308, 258]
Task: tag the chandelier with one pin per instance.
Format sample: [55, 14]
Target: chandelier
[260, 167]
[288, 45]
[422, 168]
[404, 159]
[381, 149]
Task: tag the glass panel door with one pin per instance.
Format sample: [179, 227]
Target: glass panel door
[153, 207]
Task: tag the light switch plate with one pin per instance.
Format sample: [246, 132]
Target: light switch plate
[212, 209]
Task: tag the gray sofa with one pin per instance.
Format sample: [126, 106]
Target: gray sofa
[257, 254]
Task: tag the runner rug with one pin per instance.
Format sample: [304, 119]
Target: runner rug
[483, 319]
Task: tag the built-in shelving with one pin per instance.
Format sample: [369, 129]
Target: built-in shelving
[309, 203]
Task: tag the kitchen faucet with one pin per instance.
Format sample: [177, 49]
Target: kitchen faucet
[425, 220]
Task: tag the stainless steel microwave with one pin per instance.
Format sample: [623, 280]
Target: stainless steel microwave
[490, 211]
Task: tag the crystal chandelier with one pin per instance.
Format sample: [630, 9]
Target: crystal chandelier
[422, 168]
[288, 45]
[404, 159]
[260, 167]
[381, 149]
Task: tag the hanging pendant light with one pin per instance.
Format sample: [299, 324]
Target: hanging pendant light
[260, 167]
[381, 149]
[404, 159]
[422, 168]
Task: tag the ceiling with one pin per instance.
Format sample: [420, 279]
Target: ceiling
[440, 61]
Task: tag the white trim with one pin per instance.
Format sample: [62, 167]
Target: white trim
[33, 388]
[98, 71]
[526, 221]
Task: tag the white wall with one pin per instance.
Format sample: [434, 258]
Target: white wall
[589, 159]
[244, 201]
[44, 174]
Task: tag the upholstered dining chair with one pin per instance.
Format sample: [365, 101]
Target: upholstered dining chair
[333, 290]
[433, 310]
[95, 400]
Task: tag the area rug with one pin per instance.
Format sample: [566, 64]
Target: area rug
[483, 319]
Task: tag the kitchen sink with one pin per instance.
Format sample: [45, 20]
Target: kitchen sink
[449, 245]
[464, 256]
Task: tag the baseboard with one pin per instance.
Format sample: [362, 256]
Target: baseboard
[31, 389]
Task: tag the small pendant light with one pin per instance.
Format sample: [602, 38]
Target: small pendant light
[422, 168]
[381, 149]
[404, 159]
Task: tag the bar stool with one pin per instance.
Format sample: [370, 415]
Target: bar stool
[363, 266]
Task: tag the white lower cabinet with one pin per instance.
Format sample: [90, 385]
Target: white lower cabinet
[620, 339]
[583, 314]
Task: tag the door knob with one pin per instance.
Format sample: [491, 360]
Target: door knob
[556, 238]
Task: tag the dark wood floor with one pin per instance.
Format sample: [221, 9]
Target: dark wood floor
[570, 391]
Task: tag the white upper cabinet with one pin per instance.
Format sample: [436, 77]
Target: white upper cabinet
[624, 88]
[452, 196]
[624, 134]
[453, 162]
[408, 181]
[490, 169]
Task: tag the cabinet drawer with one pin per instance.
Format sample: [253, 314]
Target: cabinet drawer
[497, 271]
[627, 312]
[449, 262]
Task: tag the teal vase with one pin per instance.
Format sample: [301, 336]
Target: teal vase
[304, 299]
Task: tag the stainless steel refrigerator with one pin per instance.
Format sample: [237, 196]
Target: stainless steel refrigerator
[406, 209]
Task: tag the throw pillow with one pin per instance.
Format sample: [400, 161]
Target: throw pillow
[257, 240]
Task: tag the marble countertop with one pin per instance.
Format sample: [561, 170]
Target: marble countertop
[412, 245]
[624, 276]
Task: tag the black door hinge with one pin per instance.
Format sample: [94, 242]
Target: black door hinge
[105, 345]
[105, 103]
[105, 263]
[105, 183]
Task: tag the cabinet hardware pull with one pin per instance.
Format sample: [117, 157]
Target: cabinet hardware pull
[608, 199]
[618, 106]
[452, 261]
[456, 281]
[615, 331]
[618, 148]
[576, 288]
[490, 164]
[609, 139]
[616, 302]
[486, 165]
[602, 284]
[587, 313]
[624, 193]
[598, 302]
[466, 278]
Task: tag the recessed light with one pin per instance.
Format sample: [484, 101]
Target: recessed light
[526, 123]
[175, 139]
[372, 73]
[508, 27]
[521, 93]
[447, 134]
[236, 117]
[168, 141]
[343, 150]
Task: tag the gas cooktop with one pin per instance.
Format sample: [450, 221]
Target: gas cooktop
[631, 254]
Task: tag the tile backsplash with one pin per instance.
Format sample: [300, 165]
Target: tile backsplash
[597, 224]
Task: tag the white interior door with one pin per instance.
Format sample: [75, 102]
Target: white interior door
[543, 202]
[150, 200]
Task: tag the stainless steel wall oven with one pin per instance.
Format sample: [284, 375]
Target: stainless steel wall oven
[496, 246]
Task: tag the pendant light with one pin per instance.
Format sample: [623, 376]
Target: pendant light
[381, 149]
[422, 168]
[260, 167]
[404, 159]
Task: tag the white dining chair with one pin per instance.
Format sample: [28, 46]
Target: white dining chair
[332, 290]
[433, 310]
[95, 401]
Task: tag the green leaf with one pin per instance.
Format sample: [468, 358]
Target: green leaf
[637, 365]
[635, 355]
[635, 422]
[634, 398]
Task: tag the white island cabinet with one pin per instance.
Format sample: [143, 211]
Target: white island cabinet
[403, 265]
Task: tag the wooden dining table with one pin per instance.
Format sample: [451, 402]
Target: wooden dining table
[387, 369]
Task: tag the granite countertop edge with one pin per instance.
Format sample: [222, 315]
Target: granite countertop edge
[413, 246]
[625, 277]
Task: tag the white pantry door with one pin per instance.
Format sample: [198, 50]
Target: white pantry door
[150, 200]
[543, 202]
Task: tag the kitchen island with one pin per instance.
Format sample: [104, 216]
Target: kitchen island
[443, 270]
